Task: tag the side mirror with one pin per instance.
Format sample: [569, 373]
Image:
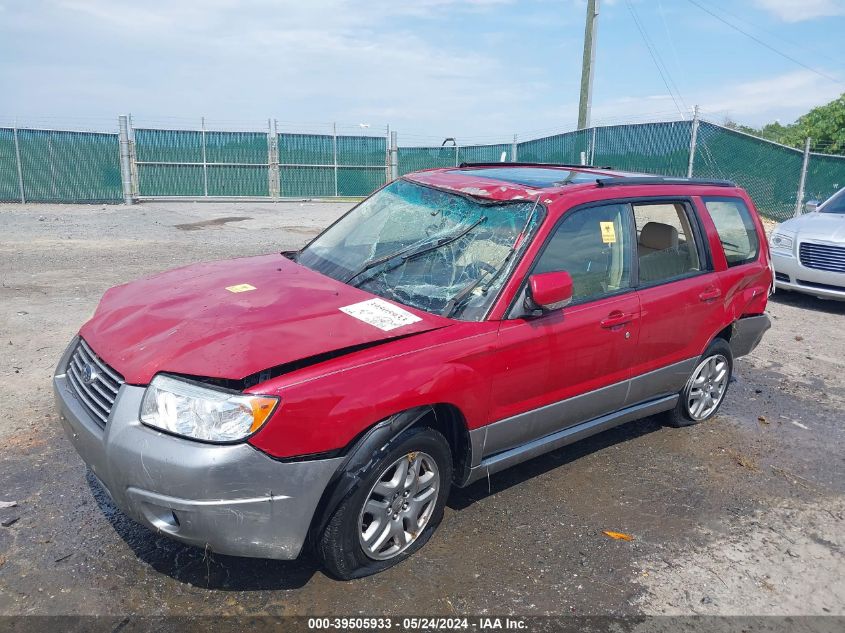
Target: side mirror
[549, 291]
[811, 206]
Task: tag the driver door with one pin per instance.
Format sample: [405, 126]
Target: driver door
[570, 365]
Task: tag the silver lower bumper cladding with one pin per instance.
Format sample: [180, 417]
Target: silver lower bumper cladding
[231, 499]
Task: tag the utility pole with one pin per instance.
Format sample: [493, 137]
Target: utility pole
[588, 64]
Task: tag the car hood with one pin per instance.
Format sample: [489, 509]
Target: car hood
[828, 227]
[234, 318]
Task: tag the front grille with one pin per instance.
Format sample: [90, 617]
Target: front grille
[782, 277]
[96, 388]
[822, 256]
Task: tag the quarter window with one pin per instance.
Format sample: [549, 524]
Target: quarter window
[735, 228]
[666, 247]
[594, 246]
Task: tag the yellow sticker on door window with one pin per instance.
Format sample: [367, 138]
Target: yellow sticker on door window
[240, 288]
[608, 232]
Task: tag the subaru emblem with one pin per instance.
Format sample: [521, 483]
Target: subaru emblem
[89, 374]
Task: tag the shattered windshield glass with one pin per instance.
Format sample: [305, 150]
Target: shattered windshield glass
[429, 249]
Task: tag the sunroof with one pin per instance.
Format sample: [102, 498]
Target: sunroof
[540, 177]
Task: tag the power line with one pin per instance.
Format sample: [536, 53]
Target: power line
[765, 44]
[803, 46]
[658, 62]
[669, 36]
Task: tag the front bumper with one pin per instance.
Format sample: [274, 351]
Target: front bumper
[819, 283]
[232, 499]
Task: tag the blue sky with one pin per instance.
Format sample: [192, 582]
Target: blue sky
[474, 69]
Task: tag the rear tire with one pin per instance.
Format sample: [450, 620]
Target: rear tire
[394, 509]
[705, 391]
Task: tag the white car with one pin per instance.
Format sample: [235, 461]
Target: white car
[808, 252]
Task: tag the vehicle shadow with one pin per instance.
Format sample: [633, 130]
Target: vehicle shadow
[808, 302]
[461, 498]
[201, 568]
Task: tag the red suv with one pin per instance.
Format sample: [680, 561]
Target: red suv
[455, 323]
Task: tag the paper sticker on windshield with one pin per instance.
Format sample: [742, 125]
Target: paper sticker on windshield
[608, 232]
[240, 288]
[381, 314]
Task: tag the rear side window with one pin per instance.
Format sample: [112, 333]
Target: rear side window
[735, 228]
[666, 246]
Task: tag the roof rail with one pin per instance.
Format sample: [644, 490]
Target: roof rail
[529, 164]
[661, 180]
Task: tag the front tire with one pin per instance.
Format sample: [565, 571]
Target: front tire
[393, 510]
[705, 391]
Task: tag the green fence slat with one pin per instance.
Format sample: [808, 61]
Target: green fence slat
[651, 148]
[170, 180]
[238, 180]
[484, 153]
[306, 149]
[236, 147]
[168, 146]
[59, 166]
[9, 187]
[368, 151]
[560, 148]
[416, 158]
[306, 182]
[357, 182]
[769, 172]
[825, 176]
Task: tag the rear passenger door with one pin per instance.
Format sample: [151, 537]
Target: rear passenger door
[745, 278]
[680, 296]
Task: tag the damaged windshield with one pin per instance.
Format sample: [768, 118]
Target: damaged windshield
[429, 249]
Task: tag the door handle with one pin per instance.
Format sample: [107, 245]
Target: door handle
[616, 318]
[710, 294]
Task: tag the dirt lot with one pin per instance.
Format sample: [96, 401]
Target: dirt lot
[744, 514]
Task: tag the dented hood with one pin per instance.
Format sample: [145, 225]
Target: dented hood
[233, 318]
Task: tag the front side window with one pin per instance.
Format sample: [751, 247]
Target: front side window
[735, 228]
[427, 248]
[666, 247]
[594, 246]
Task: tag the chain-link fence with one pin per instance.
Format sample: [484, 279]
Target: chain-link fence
[771, 173]
[415, 158]
[58, 166]
[214, 163]
[61, 166]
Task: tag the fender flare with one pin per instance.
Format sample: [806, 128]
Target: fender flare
[365, 451]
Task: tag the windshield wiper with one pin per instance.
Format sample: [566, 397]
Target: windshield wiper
[397, 258]
[463, 293]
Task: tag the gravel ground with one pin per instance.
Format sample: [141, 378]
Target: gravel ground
[742, 515]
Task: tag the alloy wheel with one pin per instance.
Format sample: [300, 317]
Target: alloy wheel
[399, 506]
[707, 386]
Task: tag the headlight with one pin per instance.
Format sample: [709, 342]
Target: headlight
[781, 242]
[203, 413]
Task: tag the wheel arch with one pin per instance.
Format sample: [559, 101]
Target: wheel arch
[725, 333]
[369, 445]
[743, 334]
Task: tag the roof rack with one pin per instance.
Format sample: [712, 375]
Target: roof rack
[661, 180]
[529, 164]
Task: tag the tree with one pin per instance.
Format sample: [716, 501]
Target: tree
[825, 125]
